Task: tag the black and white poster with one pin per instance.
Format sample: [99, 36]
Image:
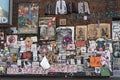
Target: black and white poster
[115, 30]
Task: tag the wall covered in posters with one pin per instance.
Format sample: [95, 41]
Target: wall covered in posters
[47, 43]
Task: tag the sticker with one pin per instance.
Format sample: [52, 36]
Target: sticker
[12, 39]
[19, 62]
[72, 68]
[62, 68]
[80, 43]
[71, 47]
[92, 46]
[97, 69]
[33, 47]
[53, 68]
[52, 58]
[35, 64]
[14, 50]
[53, 43]
[34, 38]
[83, 49]
[28, 43]
[14, 58]
[26, 55]
[35, 58]
[38, 70]
[44, 49]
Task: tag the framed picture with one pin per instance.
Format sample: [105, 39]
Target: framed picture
[93, 31]
[81, 33]
[105, 31]
[62, 22]
[65, 34]
[6, 12]
[28, 18]
[115, 30]
[47, 28]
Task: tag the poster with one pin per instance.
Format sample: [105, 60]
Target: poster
[5, 11]
[28, 18]
[47, 27]
[65, 34]
[105, 30]
[81, 32]
[93, 31]
[116, 48]
[115, 30]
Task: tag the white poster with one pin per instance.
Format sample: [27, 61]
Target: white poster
[115, 30]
